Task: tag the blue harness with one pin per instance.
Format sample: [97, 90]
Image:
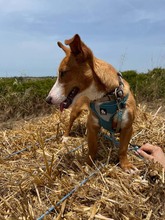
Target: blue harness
[105, 111]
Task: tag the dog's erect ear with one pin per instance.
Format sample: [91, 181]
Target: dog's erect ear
[65, 49]
[75, 44]
[80, 50]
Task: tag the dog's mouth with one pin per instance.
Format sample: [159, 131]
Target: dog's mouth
[68, 101]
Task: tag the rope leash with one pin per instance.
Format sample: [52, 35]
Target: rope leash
[17, 152]
[29, 147]
[133, 147]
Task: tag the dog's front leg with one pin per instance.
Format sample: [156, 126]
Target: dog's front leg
[92, 135]
[73, 115]
[125, 136]
[81, 104]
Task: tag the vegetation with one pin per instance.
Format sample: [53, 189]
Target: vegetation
[147, 86]
[21, 97]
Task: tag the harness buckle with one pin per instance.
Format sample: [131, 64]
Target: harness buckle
[119, 93]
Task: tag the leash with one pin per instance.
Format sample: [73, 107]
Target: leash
[29, 147]
[133, 147]
[18, 152]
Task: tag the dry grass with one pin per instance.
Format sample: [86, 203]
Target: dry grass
[37, 178]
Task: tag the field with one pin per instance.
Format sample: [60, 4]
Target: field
[43, 178]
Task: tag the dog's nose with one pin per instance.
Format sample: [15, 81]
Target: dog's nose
[49, 100]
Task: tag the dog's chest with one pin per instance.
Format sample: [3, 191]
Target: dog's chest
[105, 112]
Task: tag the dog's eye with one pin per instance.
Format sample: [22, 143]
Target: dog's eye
[62, 73]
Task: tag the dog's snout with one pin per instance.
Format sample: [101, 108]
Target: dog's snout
[49, 100]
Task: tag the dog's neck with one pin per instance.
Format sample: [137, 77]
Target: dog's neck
[104, 80]
[105, 76]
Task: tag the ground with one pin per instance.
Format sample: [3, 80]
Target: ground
[43, 170]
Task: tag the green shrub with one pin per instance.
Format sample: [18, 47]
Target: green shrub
[147, 86]
[21, 97]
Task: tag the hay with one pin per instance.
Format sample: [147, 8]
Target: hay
[36, 178]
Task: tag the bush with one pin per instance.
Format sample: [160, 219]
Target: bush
[147, 86]
[21, 97]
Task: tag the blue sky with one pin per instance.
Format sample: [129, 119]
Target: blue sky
[129, 34]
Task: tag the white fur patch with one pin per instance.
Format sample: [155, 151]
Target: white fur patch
[57, 93]
[91, 92]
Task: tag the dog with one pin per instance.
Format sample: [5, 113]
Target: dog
[111, 102]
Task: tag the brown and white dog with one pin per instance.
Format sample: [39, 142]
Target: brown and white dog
[81, 74]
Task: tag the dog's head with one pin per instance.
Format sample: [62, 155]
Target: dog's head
[75, 74]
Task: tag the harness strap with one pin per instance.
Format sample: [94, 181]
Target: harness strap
[120, 92]
[119, 120]
[109, 105]
[105, 112]
[117, 93]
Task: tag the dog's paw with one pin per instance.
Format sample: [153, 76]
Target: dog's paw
[65, 139]
[129, 168]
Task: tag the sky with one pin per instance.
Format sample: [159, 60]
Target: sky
[129, 34]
